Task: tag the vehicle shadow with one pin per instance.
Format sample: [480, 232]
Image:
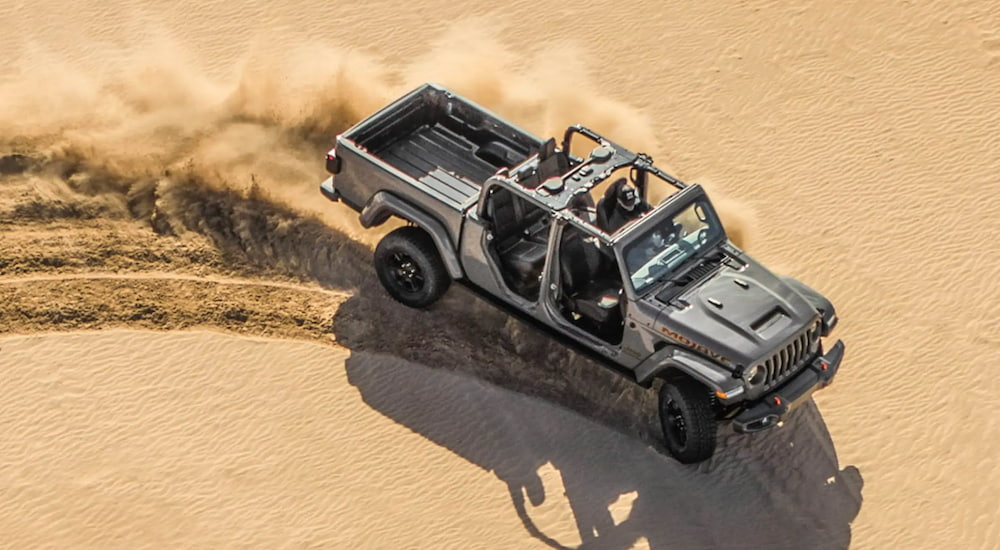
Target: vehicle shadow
[778, 489]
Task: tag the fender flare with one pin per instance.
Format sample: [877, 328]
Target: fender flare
[384, 205]
[676, 359]
[821, 303]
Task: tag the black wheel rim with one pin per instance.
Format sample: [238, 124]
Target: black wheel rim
[674, 427]
[406, 273]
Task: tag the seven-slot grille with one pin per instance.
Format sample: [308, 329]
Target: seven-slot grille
[785, 361]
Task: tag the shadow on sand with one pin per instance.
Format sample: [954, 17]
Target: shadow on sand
[781, 489]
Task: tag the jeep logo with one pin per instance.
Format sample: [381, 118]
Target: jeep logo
[689, 343]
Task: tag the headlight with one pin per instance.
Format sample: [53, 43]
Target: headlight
[754, 375]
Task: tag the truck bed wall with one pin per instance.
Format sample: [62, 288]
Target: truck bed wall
[431, 147]
[430, 107]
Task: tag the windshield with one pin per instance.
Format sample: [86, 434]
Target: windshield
[661, 249]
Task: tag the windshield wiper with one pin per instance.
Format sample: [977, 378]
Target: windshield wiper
[694, 270]
[704, 266]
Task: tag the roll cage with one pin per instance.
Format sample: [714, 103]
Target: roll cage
[581, 177]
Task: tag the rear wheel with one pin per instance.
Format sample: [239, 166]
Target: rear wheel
[688, 420]
[409, 267]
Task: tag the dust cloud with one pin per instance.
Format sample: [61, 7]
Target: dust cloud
[150, 119]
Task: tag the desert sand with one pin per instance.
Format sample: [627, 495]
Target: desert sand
[195, 352]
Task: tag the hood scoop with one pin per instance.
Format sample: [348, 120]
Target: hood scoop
[771, 323]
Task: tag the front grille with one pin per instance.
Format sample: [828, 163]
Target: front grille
[787, 360]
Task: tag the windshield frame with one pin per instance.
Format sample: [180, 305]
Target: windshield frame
[667, 209]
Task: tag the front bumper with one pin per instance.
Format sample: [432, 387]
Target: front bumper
[772, 407]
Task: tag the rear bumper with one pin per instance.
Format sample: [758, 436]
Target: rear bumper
[770, 409]
[328, 190]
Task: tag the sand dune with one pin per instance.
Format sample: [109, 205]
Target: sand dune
[158, 171]
[200, 439]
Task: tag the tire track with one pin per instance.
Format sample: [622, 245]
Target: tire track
[166, 303]
[173, 277]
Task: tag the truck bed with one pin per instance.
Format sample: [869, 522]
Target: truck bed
[446, 145]
[441, 159]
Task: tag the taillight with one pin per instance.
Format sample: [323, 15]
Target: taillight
[332, 163]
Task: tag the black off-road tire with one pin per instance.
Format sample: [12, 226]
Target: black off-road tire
[688, 420]
[409, 267]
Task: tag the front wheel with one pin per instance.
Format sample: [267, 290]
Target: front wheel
[688, 420]
[409, 267]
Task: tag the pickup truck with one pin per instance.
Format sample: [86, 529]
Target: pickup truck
[661, 295]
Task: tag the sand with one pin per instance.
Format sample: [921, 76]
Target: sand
[132, 439]
[166, 182]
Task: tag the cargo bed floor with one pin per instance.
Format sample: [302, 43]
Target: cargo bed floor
[441, 159]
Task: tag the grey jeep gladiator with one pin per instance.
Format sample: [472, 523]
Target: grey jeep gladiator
[657, 293]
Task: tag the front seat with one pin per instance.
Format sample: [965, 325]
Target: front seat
[587, 290]
[606, 206]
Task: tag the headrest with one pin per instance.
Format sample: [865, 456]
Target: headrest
[611, 193]
[547, 149]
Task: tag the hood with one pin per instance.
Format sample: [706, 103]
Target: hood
[738, 316]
